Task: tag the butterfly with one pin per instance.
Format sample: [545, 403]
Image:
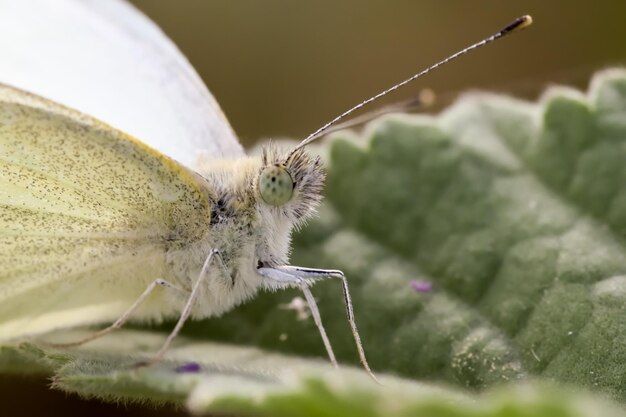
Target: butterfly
[99, 227]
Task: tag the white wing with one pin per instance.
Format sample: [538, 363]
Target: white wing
[87, 215]
[106, 59]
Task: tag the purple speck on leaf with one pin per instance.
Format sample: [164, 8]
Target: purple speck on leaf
[188, 368]
[421, 286]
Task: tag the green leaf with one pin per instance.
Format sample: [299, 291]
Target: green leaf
[514, 212]
[244, 380]
[517, 213]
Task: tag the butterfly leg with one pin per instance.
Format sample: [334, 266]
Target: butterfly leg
[302, 277]
[214, 253]
[124, 317]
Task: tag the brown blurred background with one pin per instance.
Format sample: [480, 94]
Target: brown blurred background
[284, 67]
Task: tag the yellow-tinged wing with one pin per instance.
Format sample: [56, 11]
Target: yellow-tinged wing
[86, 216]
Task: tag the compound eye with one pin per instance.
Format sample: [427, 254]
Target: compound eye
[275, 185]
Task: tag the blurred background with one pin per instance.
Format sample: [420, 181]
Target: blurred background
[283, 68]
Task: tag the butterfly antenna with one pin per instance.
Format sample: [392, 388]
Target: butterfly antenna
[425, 99]
[516, 25]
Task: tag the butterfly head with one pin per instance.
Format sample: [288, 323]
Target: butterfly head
[290, 184]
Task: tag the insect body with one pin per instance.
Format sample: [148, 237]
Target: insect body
[97, 227]
[94, 221]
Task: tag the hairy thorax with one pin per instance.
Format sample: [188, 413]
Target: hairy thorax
[232, 230]
[247, 231]
[227, 284]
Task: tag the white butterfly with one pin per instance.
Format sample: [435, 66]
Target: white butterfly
[95, 227]
[98, 227]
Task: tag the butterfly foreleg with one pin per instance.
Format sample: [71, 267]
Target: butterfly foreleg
[282, 276]
[159, 282]
[302, 277]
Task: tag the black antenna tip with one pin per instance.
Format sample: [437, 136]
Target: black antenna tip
[518, 24]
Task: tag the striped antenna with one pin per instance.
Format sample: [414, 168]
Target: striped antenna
[516, 25]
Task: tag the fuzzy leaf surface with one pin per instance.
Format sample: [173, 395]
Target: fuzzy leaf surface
[483, 246]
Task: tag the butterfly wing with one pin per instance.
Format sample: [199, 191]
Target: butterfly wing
[106, 59]
[86, 217]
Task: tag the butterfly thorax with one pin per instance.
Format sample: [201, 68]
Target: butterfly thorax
[246, 230]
